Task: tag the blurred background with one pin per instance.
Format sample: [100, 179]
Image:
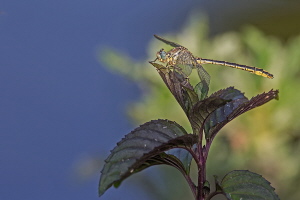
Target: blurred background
[75, 78]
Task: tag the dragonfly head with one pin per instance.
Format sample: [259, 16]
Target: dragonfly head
[161, 55]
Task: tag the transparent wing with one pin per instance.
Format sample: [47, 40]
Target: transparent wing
[185, 60]
[185, 69]
[173, 44]
[203, 86]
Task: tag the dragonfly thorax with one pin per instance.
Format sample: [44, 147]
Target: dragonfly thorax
[169, 57]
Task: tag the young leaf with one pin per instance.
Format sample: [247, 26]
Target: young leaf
[246, 185]
[190, 97]
[178, 85]
[200, 91]
[203, 86]
[219, 115]
[202, 110]
[231, 110]
[141, 148]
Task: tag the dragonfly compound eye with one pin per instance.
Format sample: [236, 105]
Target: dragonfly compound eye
[161, 55]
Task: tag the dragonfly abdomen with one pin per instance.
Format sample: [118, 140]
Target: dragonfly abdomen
[254, 70]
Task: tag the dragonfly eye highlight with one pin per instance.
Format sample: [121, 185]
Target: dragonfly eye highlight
[161, 55]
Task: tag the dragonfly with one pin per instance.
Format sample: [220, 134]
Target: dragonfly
[183, 61]
[180, 55]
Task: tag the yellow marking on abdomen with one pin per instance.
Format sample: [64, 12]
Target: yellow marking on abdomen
[254, 70]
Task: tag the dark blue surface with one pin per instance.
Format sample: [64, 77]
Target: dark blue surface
[57, 102]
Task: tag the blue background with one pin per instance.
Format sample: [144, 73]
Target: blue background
[58, 105]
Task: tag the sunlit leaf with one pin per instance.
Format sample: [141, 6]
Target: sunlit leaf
[235, 108]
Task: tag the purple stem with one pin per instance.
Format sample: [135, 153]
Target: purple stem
[201, 164]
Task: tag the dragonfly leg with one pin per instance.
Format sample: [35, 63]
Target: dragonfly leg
[154, 60]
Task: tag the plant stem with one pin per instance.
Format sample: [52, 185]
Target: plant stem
[201, 175]
[201, 164]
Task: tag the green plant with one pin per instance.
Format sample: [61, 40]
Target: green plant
[166, 142]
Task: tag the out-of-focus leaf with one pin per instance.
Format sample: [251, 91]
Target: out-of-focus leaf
[236, 108]
[218, 186]
[246, 185]
[141, 148]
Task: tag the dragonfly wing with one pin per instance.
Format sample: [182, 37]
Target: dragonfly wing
[185, 69]
[173, 44]
[203, 86]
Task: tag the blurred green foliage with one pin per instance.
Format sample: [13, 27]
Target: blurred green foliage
[265, 140]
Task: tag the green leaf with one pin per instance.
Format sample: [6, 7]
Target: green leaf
[190, 98]
[236, 107]
[141, 148]
[246, 185]
[217, 184]
[202, 110]
[200, 91]
[183, 156]
[159, 67]
[206, 188]
[219, 115]
[178, 85]
[203, 85]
